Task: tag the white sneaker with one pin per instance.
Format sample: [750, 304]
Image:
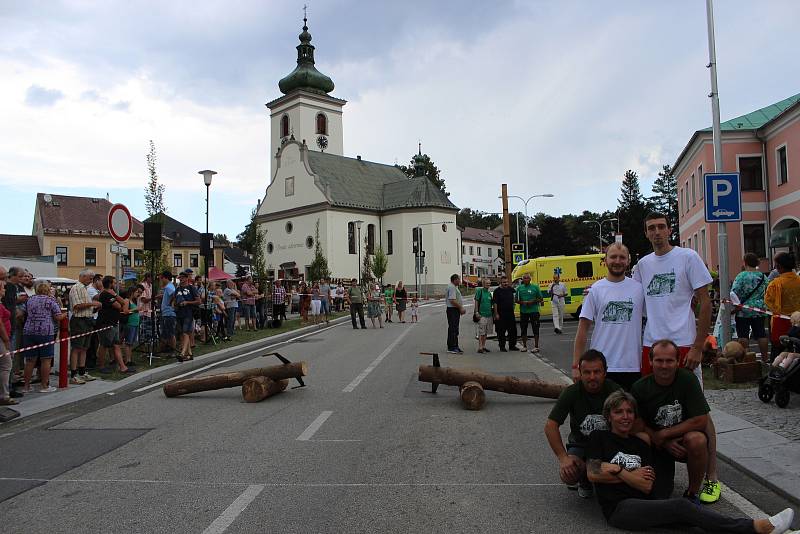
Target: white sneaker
[88, 378]
[782, 521]
[77, 380]
[48, 389]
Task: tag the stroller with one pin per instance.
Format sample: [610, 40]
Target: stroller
[779, 382]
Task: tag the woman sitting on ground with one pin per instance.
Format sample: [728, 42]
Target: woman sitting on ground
[620, 466]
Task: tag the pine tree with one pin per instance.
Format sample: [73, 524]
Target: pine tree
[631, 212]
[366, 264]
[319, 265]
[665, 199]
[259, 265]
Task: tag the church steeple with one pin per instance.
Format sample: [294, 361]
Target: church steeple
[306, 76]
[419, 163]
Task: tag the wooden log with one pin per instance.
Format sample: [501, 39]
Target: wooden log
[259, 388]
[505, 384]
[472, 396]
[229, 380]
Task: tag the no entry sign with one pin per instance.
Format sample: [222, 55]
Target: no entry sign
[119, 223]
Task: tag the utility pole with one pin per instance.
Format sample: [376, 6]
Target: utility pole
[508, 264]
[722, 230]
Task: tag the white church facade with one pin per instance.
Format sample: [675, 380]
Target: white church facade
[313, 185]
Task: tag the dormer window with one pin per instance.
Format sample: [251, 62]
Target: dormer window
[285, 126]
[322, 124]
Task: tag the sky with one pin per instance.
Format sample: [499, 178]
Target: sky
[551, 97]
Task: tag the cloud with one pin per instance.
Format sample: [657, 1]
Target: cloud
[38, 96]
[121, 105]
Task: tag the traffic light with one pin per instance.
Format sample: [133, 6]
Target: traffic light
[417, 240]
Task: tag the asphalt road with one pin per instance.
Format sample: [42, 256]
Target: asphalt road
[362, 448]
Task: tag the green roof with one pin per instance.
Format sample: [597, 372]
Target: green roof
[356, 183]
[758, 118]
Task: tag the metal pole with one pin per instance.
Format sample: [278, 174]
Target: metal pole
[359, 255]
[526, 229]
[722, 231]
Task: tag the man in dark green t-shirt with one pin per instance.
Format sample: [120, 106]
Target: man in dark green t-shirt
[529, 296]
[674, 412]
[583, 403]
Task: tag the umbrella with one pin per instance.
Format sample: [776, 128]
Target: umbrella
[215, 273]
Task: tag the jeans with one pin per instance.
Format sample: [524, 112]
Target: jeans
[230, 320]
[453, 318]
[641, 514]
[506, 324]
[357, 308]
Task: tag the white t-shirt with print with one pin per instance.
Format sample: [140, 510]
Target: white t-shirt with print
[616, 309]
[669, 282]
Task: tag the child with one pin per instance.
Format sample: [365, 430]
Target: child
[785, 359]
[414, 307]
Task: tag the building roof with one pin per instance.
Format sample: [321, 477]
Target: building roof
[237, 256]
[19, 245]
[77, 215]
[357, 183]
[481, 235]
[758, 118]
[306, 76]
[180, 234]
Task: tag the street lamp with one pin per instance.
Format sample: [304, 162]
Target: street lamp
[600, 228]
[358, 246]
[207, 175]
[420, 253]
[525, 201]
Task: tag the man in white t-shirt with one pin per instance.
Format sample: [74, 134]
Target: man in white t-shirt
[614, 305]
[671, 276]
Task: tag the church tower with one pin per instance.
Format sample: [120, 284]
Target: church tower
[306, 111]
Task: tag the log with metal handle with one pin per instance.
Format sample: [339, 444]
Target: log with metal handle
[228, 380]
[259, 388]
[505, 384]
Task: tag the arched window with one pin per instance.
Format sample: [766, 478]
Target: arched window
[351, 237]
[322, 124]
[285, 126]
[370, 239]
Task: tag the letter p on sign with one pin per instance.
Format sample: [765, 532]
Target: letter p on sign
[723, 198]
[719, 188]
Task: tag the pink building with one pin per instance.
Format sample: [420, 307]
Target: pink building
[764, 147]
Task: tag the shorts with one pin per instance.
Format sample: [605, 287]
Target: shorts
[78, 326]
[744, 325]
[647, 369]
[484, 326]
[29, 340]
[315, 307]
[624, 378]
[109, 337]
[131, 334]
[185, 324]
[249, 311]
[576, 449]
[533, 319]
[168, 326]
[324, 306]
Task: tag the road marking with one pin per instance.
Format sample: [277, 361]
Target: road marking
[215, 364]
[357, 380]
[233, 511]
[736, 499]
[314, 426]
[289, 484]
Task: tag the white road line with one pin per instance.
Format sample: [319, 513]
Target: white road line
[748, 508]
[314, 426]
[290, 484]
[357, 380]
[233, 511]
[215, 364]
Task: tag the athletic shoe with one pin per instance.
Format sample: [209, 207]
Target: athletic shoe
[459, 350]
[452, 351]
[558, 331]
[710, 492]
[691, 497]
[88, 378]
[48, 389]
[585, 492]
[77, 380]
[782, 521]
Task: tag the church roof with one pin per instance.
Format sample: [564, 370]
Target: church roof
[356, 183]
[306, 76]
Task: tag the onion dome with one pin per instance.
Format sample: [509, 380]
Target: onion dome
[306, 76]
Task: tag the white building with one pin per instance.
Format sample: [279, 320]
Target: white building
[481, 253]
[315, 188]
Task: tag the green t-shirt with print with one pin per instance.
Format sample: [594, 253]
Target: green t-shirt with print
[666, 406]
[388, 295]
[483, 302]
[529, 292]
[585, 410]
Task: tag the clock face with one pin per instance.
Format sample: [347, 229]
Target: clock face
[322, 142]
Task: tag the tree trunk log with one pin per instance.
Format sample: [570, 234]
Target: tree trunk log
[505, 384]
[229, 380]
[472, 396]
[259, 388]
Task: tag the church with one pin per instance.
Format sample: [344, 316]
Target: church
[351, 205]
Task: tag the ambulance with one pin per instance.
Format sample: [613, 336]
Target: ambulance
[577, 274]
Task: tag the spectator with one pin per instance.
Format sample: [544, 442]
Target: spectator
[231, 298]
[374, 300]
[316, 302]
[219, 310]
[5, 346]
[278, 302]
[785, 359]
[389, 296]
[782, 298]
[505, 321]
[261, 315]
[199, 311]
[248, 308]
[82, 322]
[749, 286]
[355, 300]
[483, 309]
[42, 312]
[167, 312]
[401, 301]
[339, 297]
[186, 302]
[529, 297]
[325, 300]
[26, 280]
[93, 290]
[9, 300]
[146, 308]
[558, 294]
[112, 307]
[414, 309]
[455, 309]
[130, 330]
[305, 302]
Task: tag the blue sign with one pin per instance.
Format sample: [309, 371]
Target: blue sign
[518, 257]
[723, 197]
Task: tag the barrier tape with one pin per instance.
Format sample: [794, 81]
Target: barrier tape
[56, 341]
[753, 308]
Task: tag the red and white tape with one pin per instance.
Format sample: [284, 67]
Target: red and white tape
[753, 308]
[55, 341]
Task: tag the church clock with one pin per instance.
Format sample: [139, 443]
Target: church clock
[322, 142]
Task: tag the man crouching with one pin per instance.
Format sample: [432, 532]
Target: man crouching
[583, 402]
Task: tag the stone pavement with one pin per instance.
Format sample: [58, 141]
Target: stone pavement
[744, 403]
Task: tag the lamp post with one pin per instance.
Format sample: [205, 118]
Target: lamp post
[600, 228]
[207, 175]
[358, 247]
[421, 253]
[525, 202]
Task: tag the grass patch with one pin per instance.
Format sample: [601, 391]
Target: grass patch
[240, 337]
[709, 382]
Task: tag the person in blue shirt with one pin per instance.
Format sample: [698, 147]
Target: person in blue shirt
[167, 312]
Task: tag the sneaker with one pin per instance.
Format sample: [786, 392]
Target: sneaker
[710, 492]
[572, 487]
[77, 380]
[558, 331]
[503, 349]
[48, 389]
[585, 492]
[88, 378]
[452, 351]
[691, 497]
[782, 521]
[14, 394]
[535, 350]
[513, 349]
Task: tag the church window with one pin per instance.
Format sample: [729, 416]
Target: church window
[309, 242]
[322, 124]
[270, 247]
[289, 227]
[389, 242]
[285, 126]
[288, 188]
[351, 237]
[370, 239]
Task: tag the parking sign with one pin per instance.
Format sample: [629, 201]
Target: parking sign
[723, 197]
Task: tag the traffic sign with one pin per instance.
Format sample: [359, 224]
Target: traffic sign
[118, 249]
[723, 197]
[518, 257]
[120, 223]
[517, 247]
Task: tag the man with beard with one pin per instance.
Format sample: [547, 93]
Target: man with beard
[583, 403]
[614, 305]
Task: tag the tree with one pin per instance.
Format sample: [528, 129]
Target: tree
[631, 212]
[468, 217]
[319, 265]
[380, 263]
[366, 263]
[665, 200]
[156, 208]
[221, 239]
[246, 240]
[259, 267]
[428, 168]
